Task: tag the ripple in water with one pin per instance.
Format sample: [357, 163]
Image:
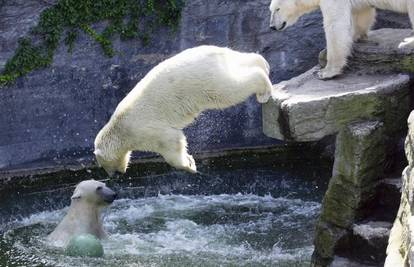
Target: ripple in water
[180, 230]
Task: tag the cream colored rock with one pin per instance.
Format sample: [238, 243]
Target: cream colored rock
[400, 251]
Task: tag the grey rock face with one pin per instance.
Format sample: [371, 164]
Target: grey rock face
[380, 53]
[372, 230]
[55, 113]
[366, 111]
[344, 262]
[308, 109]
[372, 239]
[359, 158]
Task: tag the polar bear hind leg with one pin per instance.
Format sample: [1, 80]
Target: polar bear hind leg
[172, 145]
[363, 20]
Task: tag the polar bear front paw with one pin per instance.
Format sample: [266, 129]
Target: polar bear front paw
[407, 43]
[326, 74]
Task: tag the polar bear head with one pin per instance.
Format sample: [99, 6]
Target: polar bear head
[109, 151]
[93, 192]
[285, 13]
[112, 162]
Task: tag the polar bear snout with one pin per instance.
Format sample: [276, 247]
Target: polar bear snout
[280, 27]
[107, 195]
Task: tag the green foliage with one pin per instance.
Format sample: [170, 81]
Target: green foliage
[127, 18]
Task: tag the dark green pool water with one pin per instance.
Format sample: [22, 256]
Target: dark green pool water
[235, 216]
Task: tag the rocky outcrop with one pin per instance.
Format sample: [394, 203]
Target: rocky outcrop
[380, 53]
[359, 163]
[400, 251]
[369, 243]
[308, 109]
[365, 109]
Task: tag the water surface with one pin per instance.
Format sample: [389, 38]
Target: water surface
[224, 217]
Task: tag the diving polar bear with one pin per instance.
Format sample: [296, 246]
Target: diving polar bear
[344, 21]
[152, 116]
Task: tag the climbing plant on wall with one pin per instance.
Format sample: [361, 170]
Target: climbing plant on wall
[126, 18]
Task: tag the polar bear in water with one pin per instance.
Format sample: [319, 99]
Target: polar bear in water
[84, 215]
[152, 116]
[344, 21]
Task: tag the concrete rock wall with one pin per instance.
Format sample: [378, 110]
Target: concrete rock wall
[53, 114]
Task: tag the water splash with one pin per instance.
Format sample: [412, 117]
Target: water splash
[182, 230]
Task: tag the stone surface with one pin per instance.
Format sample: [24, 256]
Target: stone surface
[308, 109]
[394, 183]
[344, 262]
[372, 230]
[54, 114]
[371, 238]
[380, 53]
[400, 251]
[387, 200]
[358, 166]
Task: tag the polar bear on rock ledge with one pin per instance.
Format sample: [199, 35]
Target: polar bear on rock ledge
[152, 116]
[344, 21]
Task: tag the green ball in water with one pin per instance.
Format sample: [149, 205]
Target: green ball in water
[85, 245]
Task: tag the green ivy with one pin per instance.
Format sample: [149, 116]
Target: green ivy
[126, 18]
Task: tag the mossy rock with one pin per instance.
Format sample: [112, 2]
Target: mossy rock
[126, 19]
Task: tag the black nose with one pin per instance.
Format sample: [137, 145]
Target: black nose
[111, 198]
[107, 194]
[273, 28]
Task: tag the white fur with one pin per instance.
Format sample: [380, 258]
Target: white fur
[151, 117]
[83, 216]
[344, 21]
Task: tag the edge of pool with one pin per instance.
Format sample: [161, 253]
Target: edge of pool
[72, 171]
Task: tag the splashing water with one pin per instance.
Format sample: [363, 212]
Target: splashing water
[251, 228]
